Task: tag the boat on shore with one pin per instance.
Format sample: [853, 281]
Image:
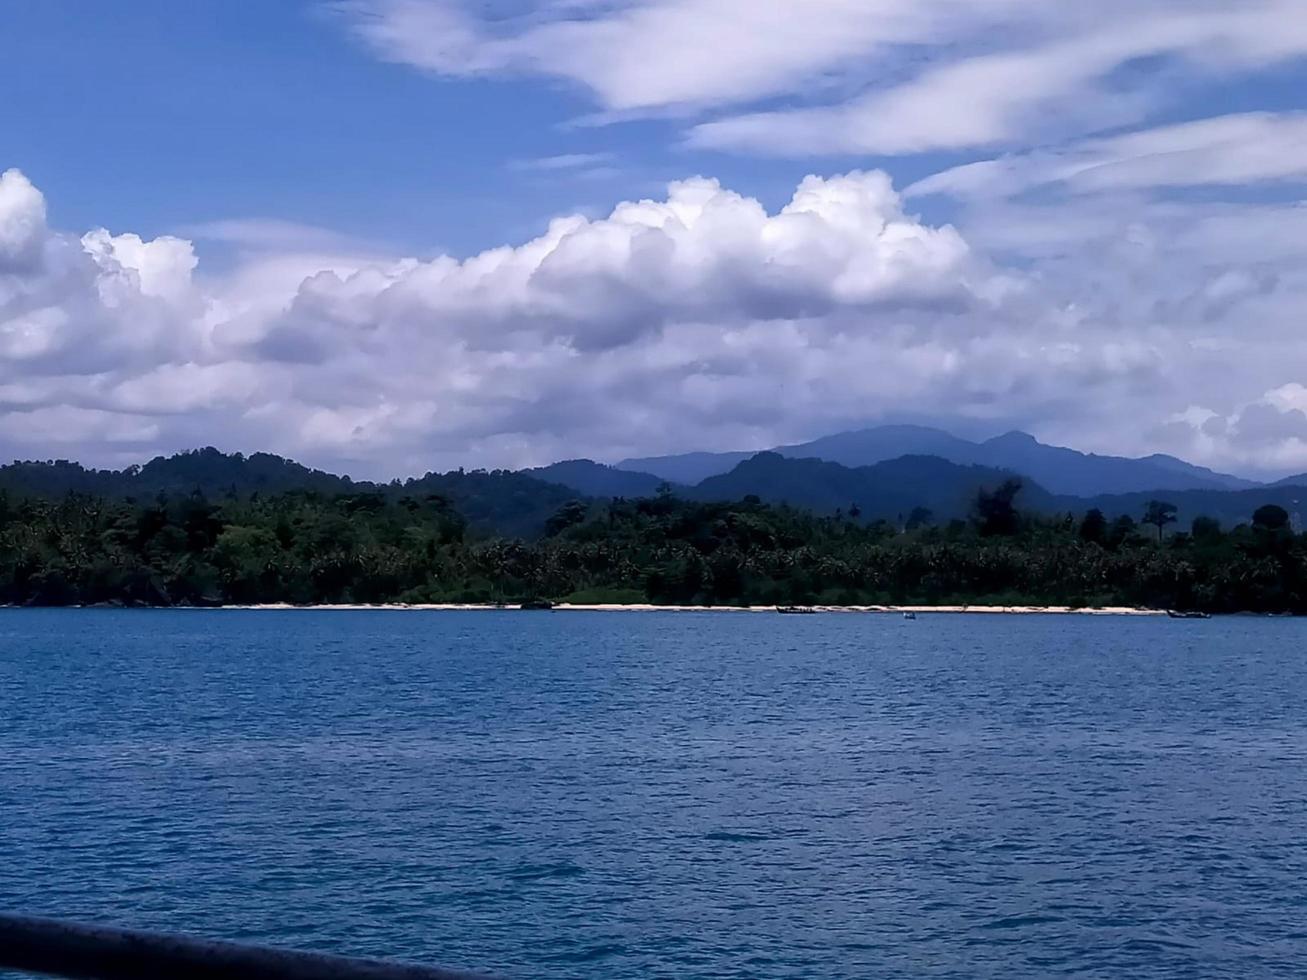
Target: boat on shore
[796, 610]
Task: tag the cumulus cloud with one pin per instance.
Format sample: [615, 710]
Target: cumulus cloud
[1266, 435]
[22, 223]
[705, 254]
[700, 316]
[698, 320]
[81, 304]
[622, 331]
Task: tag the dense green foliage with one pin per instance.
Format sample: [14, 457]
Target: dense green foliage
[212, 471]
[402, 544]
[493, 502]
[888, 490]
[518, 504]
[592, 479]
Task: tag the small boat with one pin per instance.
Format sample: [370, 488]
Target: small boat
[1187, 614]
[909, 615]
[795, 610]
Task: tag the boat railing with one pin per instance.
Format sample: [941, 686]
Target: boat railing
[53, 947]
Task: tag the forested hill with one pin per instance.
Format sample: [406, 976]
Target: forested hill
[208, 471]
[892, 490]
[895, 489]
[369, 546]
[493, 502]
[933, 489]
[593, 479]
[1058, 469]
[496, 502]
[1230, 508]
[910, 489]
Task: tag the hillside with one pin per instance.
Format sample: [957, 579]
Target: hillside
[497, 502]
[517, 504]
[1059, 470]
[592, 479]
[1230, 507]
[493, 502]
[375, 547]
[866, 447]
[1068, 471]
[890, 490]
[209, 471]
[685, 468]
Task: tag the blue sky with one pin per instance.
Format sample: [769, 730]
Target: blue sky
[159, 116]
[1085, 223]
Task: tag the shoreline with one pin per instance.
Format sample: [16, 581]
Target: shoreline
[650, 607]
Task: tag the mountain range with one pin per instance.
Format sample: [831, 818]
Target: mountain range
[1057, 469]
[495, 501]
[593, 479]
[892, 489]
[910, 468]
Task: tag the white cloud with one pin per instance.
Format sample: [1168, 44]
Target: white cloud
[1267, 434]
[1230, 150]
[79, 306]
[703, 254]
[563, 161]
[161, 267]
[650, 54]
[263, 234]
[1058, 84]
[677, 318]
[978, 101]
[22, 223]
[56, 429]
[701, 319]
[869, 76]
[1288, 398]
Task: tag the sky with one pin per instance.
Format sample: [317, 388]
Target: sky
[390, 236]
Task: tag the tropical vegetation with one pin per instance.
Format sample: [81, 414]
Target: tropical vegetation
[418, 542]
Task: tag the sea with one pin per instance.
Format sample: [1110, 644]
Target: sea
[681, 795]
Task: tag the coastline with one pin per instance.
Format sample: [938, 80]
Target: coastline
[650, 607]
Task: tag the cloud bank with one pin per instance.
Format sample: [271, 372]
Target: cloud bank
[700, 320]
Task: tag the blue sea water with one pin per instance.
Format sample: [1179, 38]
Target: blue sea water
[632, 795]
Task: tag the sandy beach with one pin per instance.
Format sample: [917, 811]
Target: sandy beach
[649, 607]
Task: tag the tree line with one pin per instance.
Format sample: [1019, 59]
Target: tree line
[371, 547]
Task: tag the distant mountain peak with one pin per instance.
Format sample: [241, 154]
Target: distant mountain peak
[887, 490]
[1014, 438]
[1058, 469]
[598, 479]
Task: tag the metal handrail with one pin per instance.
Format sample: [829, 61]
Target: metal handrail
[92, 952]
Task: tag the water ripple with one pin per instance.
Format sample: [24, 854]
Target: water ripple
[671, 795]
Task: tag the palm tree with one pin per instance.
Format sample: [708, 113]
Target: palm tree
[1159, 513]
